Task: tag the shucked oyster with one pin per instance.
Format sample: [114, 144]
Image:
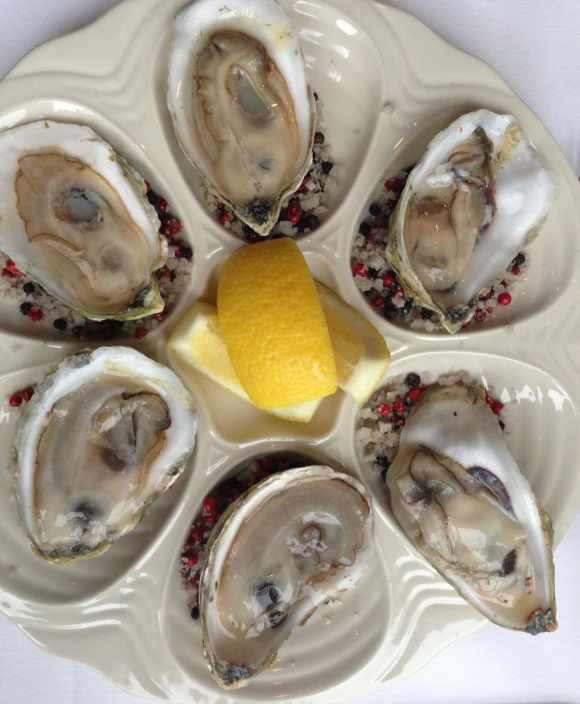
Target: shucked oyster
[74, 217]
[478, 196]
[459, 496]
[285, 547]
[105, 434]
[241, 106]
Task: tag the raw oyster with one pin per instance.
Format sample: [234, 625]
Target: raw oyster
[105, 434]
[479, 195]
[242, 109]
[285, 547]
[459, 496]
[74, 217]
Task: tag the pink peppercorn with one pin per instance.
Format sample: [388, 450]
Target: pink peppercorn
[294, 213]
[383, 409]
[497, 408]
[504, 299]
[388, 281]
[176, 227]
[399, 405]
[140, 333]
[226, 217]
[191, 561]
[516, 271]
[395, 184]
[378, 302]
[27, 394]
[35, 314]
[489, 310]
[360, 270]
[15, 400]
[480, 316]
[209, 504]
[414, 394]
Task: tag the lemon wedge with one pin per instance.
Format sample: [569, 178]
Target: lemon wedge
[198, 342]
[274, 327]
[360, 351]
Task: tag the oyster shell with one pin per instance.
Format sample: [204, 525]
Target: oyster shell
[285, 547]
[74, 216]
[241, 106]
[459, 496]
[105, 434]
[479, 195]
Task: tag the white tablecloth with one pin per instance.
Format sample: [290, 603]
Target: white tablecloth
[535, 45]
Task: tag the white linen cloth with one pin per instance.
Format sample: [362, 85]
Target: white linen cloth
[534, 44]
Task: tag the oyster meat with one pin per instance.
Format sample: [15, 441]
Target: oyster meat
[479, 195]
[241, 106]
[285, 547]
[105, 434]
[75, 218]
[459, 496]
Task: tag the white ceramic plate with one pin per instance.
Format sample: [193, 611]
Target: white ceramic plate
[388, 84]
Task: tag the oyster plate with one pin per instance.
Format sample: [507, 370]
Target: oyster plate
[402, 613]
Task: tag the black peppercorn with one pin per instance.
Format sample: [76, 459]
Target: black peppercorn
[25, 308]
[29, 287]
[60, 324]
[312, 222]
[327, 167]
[375, 210]
[365, 228]
[413, 381]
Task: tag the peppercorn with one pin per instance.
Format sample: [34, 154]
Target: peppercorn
[375, 210]
[60, 324]
[195, 613]
[390, 311]
[312, 222]
[413, 380]
[365, 228]
[15, 400]
[185, 253]
[327, 167]
[25, 308]
[519, 260]
[29, 287]
[319, 138]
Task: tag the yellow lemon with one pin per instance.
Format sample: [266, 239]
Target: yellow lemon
[198, 342]
[274, 327]
[360, 352]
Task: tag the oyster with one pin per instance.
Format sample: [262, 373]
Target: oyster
[74, 216]
[105, 434]
[285, 547]
[241, 106]
[459, 496]
[479, 195]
